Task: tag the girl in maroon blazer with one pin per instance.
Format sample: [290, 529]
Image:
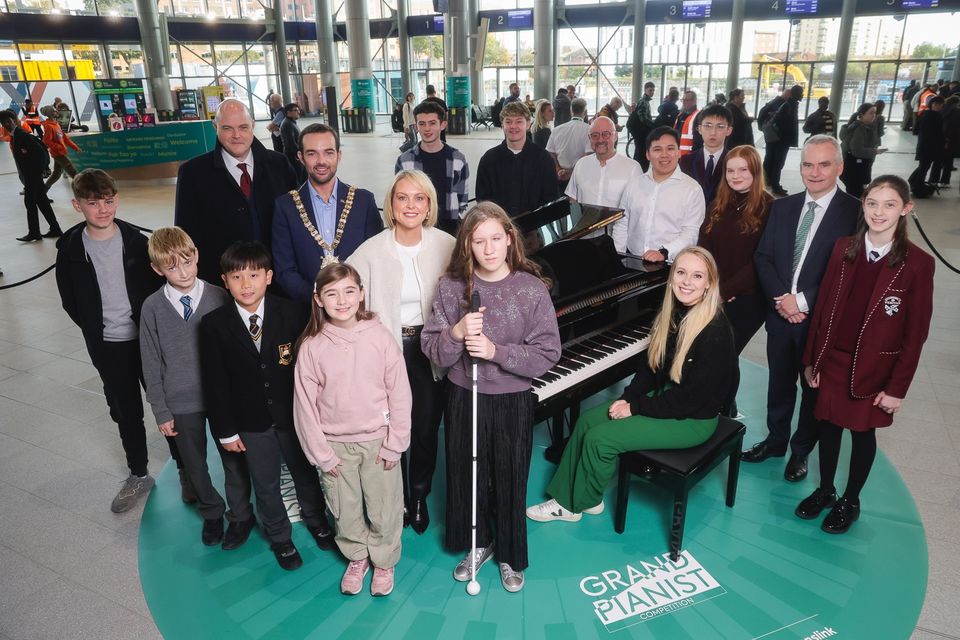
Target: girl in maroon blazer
[864, 344]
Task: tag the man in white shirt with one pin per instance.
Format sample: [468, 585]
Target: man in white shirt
[569, 142]
[601, 177]
[664, 208]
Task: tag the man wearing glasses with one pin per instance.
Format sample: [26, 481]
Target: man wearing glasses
[705, 165]
[601, 177]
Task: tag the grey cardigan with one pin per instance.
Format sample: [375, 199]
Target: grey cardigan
[381, 271]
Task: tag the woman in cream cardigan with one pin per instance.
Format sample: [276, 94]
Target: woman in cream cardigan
[400, 268]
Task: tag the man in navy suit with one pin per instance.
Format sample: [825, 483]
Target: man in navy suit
[227, 194]
[325, 221]
[705, 165]
[791, 259]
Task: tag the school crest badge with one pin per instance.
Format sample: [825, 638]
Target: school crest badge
[891, 304]
[286, 353]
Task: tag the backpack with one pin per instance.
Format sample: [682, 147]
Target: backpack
[920, 188]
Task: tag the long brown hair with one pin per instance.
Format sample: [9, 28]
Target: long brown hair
[699, 316]
[758, 200]
[898, 251]
[462, 262]
[328, 275]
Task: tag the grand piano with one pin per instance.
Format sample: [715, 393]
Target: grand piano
[605, 304]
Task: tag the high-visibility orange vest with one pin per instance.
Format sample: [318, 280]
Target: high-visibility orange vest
[925, 95]
[686, 132]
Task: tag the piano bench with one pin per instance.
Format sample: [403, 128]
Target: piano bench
[678, 470]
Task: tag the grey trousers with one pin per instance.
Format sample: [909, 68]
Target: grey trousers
[191, 442]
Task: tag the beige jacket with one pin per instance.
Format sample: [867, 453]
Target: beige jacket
[381, 271]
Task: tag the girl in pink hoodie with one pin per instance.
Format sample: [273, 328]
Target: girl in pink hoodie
[352, 414]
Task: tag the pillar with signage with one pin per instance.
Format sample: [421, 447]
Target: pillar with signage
[362, 87]
[458, 101]
[362, 91]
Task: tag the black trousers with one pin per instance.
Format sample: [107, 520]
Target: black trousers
[784, 358]
[36, 202]
[265, 452]
[773, 160]
[118, 364]
[191, 442]
[857, 173]
[504, 444]
[746, 315]
[425, 420]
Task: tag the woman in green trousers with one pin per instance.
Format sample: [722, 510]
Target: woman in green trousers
[673, 402]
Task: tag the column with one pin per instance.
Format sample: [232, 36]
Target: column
[280, 40]
[458, 74]
[544, 30]
[843, 55]
[476, 77]
[156, 53]
[736, 41]
[362, 86]
[639, 34]
[404, 43]
[326, 44]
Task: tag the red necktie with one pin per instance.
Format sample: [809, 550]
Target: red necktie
[246, 184]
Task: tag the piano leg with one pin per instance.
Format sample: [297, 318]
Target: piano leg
[558, 439]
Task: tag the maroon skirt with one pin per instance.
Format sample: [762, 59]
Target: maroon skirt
[837, 406]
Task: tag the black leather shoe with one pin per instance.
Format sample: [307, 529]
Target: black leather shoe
[843, 514]
[53, 233]
[796, 468]
[760, 452]
[323, 535]
[811, 506]
[237, 533]
[212, 531]
[30, 238]
[419, 516]
[287, 555]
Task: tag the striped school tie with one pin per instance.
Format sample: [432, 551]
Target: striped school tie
[802, 232]
[187, 309]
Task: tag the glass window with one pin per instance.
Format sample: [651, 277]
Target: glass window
[257, 64]
[223, 9]
[931, 35]
[127, 61]
[525, 48]
[85, 61]
[116, 8]
[498, 4]
[764, 41]
[85, 112]
[230, 60]
[427, 51]
[501, 49]
[166, 6]
[309, 57]
[187, 8]
[815, 39]
[299, 10]
[293, 59]
[252, 10]
[196, 58]
[43, 62]
[175, 69]
[420, 7]
[10, 69]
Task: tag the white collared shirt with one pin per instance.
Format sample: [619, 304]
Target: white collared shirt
[664, 214]
[869, 246]
[592, 183]
[174, 296]
[570, 141]
[823, 203]
[231, 164]
[716, 158]
[245, 316]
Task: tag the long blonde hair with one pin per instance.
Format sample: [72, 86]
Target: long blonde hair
[699, 316]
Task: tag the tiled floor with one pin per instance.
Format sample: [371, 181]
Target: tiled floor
[68, 566]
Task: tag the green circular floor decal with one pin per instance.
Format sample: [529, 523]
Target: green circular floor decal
[753, 571]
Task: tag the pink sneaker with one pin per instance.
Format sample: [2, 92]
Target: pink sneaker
[382, 583]
[352, 582]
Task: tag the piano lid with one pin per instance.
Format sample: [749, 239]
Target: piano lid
[565, 220]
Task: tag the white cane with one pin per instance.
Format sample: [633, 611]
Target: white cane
[473, 587]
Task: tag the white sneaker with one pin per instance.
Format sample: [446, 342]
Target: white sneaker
[595, 511]
[462, 571]
[511, 580]
[551, 510]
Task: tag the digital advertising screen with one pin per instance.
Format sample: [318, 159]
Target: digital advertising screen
[693, 9]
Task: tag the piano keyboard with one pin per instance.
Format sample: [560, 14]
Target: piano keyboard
[588, 357]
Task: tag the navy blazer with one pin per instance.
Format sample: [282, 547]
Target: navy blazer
[694, 165]
[774, 256]
[246, 389]
[211, 208]
[297, 256]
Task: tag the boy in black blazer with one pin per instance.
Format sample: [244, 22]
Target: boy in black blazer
[247, 362]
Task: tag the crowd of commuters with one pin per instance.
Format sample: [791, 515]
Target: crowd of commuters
[327, 300]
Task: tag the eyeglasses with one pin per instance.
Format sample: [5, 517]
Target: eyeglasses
[597, 135]
[709, 126]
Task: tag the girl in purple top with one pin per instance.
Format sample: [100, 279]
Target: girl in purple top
[514, 337]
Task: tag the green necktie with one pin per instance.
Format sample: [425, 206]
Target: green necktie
[802, 231]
